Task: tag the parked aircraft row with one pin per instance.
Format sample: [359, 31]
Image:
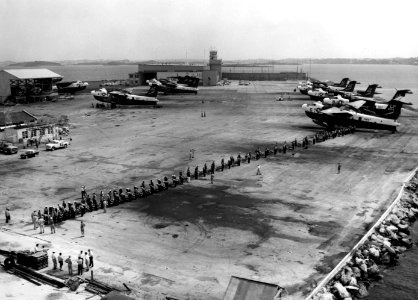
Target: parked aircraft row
[182, 85]
[342, 106]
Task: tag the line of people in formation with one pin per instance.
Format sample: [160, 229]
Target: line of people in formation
[51, 215]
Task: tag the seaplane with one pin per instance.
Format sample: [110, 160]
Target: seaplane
[339, 90]
[354, 114]
[361, 94]
[380, 108]
[70, 87]
[125, 97]
[181, 85]
[305, 86]
[320, 94]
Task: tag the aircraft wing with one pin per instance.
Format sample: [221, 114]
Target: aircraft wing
[367, 99]
[357, 104]
[336, 112]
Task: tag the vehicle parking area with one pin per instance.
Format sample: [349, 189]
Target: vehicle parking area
[286, 226]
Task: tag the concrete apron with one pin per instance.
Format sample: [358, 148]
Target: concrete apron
[349, 256]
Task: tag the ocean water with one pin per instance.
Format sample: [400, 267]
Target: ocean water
[93, 72]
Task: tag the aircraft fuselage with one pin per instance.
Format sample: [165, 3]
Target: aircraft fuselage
[356, 119]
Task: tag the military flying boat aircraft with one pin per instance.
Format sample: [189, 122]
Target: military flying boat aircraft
[71, 87]
[125, 97]
[311, 84]
[360, 94]
[183, 85]
[352, 114]
[320, 94]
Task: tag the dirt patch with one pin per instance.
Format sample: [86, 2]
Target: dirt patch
[64, 190]
[324, 229]
[192, 204]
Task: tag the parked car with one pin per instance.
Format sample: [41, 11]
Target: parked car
[56, 144]
[7, 148]
[29, 153]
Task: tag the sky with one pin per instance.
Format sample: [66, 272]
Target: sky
[55, 30]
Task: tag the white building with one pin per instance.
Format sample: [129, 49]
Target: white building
[23, 127]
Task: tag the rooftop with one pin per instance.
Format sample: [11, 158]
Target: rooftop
[32, 73]
[15, 118]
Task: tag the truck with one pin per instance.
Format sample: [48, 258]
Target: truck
[7, 148]
[56, 144]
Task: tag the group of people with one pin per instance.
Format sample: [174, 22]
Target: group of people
[52, 215]
[85, 261]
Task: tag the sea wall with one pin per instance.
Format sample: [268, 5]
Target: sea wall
[282, 76]
[381, 245]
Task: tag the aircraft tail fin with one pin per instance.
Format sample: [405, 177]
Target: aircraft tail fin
[343, 82]
[350, 86]
[394, 108]
[371, 90]
[400, 94]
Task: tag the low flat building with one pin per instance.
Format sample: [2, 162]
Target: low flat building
[27, 85]
[23, 127]
[209, 75]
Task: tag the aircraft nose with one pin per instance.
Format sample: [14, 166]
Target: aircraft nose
[305, 106]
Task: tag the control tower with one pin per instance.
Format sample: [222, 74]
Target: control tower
[215, 64]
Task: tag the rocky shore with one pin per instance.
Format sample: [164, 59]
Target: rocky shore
[381, 246]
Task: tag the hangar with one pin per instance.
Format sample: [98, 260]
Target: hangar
[27, 85]
[209, 74]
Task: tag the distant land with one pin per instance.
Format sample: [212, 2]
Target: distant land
[36, 63]
[286, 61]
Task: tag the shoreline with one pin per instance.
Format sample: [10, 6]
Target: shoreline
[379, 246]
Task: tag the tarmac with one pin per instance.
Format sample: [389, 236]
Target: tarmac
[288, 226]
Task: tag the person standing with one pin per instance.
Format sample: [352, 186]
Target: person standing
[7, 215]
[80, 266]
[258, 170]
[188, 174]
[54, 260]
[91, 258]
[35, 220]
[211, 178]
[81, 255]
[196, 173]
[51, 224]
[41, 223]
[82, 225]
[32, 216]
[338, 168]
[60, 261]
[104, 205]
[70, 265]
[83, 192]
[86, 261]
